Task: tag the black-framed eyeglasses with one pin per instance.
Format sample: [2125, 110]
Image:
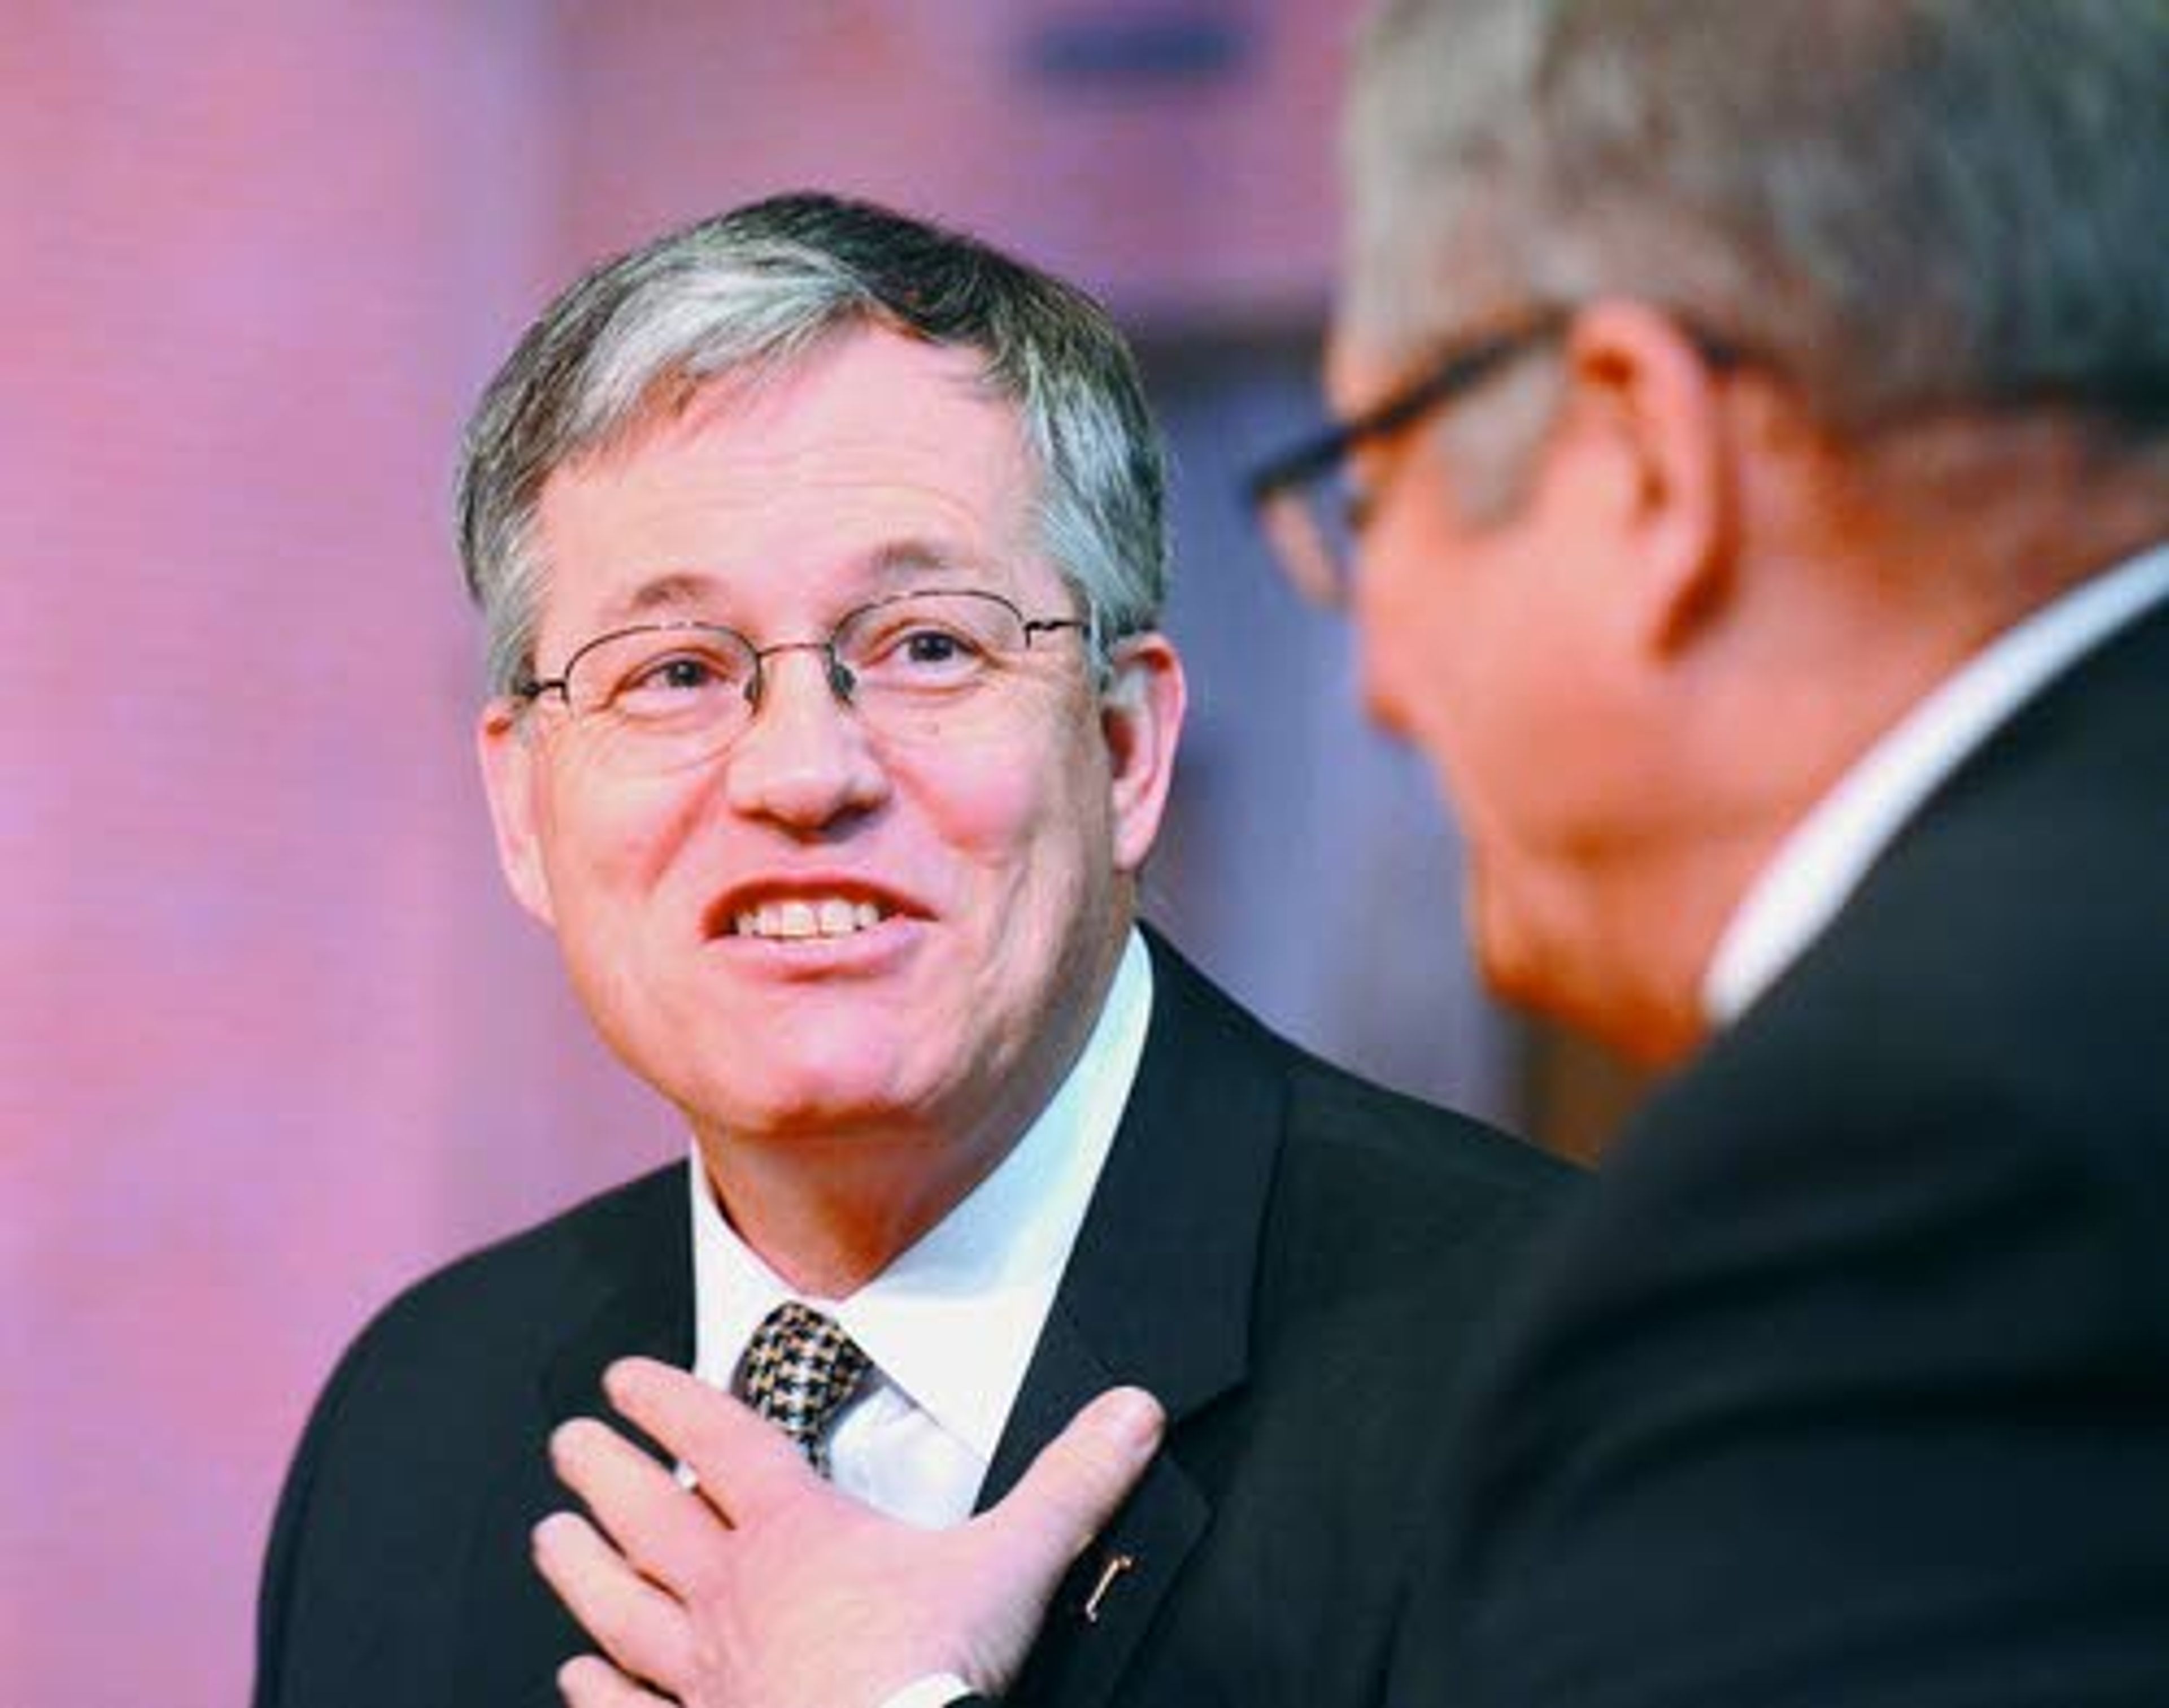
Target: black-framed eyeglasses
[1302, 500]
[658, 695]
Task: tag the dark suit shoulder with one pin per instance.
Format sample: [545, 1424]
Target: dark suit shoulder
[427, 1450]
[1983, 1022]
[2016, 935]
[1353, 1122]
[1394, 1222]
[1363, 1123]
[512, 1291]
[1377, 1200]
[461, 1352]
[1992, 1006]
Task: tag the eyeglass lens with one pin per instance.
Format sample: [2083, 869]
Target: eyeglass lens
[672, 694]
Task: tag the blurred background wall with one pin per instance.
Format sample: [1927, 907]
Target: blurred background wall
[272, 1040]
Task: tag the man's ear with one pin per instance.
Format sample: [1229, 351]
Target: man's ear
[509, 762]
[1659, 406]
[1141, 716]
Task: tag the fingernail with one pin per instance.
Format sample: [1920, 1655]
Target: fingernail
[565, 1439]
[1134, 1419]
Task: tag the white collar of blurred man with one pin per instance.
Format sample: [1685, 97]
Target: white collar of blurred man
[845, 1091]
[951, 1323]
[1824, 859]
[1638, 669]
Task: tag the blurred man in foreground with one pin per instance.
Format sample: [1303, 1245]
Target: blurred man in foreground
[1758, 423]
[822, 557]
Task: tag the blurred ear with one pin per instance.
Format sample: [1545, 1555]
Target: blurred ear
[1141, 716]
[509, 760]
[1658, 407]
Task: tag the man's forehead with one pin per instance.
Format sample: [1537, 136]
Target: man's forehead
[881, 568]
[848, 387]
[877, 423]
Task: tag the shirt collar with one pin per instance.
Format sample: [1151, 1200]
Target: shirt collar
[1820, 865]
[952, 1321]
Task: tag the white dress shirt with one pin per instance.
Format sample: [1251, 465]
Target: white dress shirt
[950, 1324]
[1821, 863]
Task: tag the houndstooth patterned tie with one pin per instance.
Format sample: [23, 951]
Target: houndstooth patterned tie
[800, 1368]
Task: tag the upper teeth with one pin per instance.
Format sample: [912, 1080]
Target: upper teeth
[834, 917]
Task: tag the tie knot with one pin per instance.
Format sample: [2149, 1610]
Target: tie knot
[800, 1368]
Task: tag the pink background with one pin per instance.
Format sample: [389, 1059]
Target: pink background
[272, 1041]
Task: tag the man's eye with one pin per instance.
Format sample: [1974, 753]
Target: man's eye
[670, 681]
[686, 673]
[921, 654]
[933, 647]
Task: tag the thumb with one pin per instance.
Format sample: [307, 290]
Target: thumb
[1075, 1484]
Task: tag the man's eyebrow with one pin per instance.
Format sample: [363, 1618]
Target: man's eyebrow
[671, 591]
[900, 562]
[892, 564]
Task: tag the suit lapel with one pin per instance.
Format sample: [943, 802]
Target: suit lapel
[1158, 1292]
[641, 1273]
[628, 1290]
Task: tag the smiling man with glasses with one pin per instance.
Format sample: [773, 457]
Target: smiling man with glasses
[821, 556]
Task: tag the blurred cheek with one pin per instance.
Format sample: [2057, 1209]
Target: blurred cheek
[1421, 685]
[1389, 653]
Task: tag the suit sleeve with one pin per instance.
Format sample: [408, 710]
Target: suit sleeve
[1828, 1396]
[277, 1592]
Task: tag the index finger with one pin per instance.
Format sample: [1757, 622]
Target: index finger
[746, 1465]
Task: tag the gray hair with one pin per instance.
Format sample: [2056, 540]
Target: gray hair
[746, 294]
[1901, 205]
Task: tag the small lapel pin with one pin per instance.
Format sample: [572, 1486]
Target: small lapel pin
[1115, 1564]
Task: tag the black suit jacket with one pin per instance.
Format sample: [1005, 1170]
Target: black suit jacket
[1848, 1382]
[1289, 1259]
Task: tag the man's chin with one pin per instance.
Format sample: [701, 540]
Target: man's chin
[809, 1107]
[1517, 978]
[1515, 963]
[1582, 996]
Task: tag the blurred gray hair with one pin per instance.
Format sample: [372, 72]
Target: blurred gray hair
[1899, 205]
[749, 293]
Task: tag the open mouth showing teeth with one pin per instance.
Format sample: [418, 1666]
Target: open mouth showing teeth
[794, 919]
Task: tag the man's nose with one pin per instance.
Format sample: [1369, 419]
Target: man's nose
[805, 761]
